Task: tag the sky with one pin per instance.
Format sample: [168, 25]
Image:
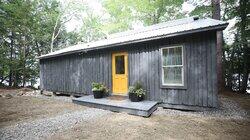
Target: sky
[74, 23]
[96, 6]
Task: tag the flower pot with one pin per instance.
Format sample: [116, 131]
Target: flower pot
[98, 94]
[134, 98]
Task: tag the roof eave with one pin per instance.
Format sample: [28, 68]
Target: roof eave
[217, 27]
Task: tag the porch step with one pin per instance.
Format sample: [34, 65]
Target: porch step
[143, 108]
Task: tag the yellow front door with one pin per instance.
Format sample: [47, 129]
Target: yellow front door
[120, 73]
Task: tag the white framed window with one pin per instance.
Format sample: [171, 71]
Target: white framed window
[172, 66]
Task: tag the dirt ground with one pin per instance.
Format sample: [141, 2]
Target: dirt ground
[124, 126]
[21, 108]
[242, 99]
[161, 125]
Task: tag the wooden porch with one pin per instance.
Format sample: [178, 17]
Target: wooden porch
[119, 104]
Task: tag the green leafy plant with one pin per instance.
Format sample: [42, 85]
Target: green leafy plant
[137, 89]
[99, 87]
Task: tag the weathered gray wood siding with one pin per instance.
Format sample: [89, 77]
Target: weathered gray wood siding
[201, 80]
[75, 73]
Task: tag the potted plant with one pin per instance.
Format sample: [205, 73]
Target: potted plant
[99, 90]
[136, 93]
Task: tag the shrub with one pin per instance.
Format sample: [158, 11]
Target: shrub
[137, 89]
[99, 87]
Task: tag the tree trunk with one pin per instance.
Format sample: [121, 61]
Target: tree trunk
[15, 75]
[24, 62]
[11, 60]
[231, 70]
[243, 23]
[239, 70]
[54, 34]
[24, 74]
[219, 40]
[221, 81]
[38, 49]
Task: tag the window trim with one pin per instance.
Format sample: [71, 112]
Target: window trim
[173, 86]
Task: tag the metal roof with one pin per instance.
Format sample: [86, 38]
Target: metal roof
[162, 30]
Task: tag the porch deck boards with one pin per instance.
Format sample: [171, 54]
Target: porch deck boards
[143, 108]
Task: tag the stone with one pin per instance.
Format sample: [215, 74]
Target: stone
[47, 93]
[8, 96]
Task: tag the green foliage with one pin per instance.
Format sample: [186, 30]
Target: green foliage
[25, 33]
[202, 11]
[228, 9]
[236, 55]
[91, 29]
[99, 87]
[27, 27]
[137, 85]
[137, 89]
[125, 13]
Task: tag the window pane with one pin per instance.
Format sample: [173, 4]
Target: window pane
[165, 56]
[172, 56]
[172, 75]
[177, 56]
[119, 65]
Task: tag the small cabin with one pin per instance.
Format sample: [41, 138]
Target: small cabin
[174, 61]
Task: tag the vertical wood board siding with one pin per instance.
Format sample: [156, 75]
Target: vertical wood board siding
[75, 73]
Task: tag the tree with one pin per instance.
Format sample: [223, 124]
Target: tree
[125, 13]
[26, 27]
[216, 15]
[243, 11]
[64, 15]
[92, 28]
[237, 59]
[233, 55]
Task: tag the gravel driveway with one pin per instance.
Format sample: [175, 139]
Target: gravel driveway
[41, 117]
[49, 126]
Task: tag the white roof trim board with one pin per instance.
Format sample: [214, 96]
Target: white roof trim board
[166, 29]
